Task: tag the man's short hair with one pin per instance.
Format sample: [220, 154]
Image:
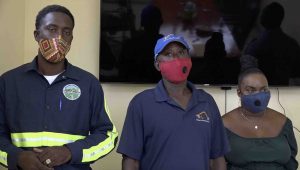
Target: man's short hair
[49, 9]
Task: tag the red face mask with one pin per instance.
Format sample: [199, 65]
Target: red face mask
[176, 71]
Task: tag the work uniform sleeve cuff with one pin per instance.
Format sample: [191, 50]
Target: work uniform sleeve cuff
[76, 153]
[12, 158]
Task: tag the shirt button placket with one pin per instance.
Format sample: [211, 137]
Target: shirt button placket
[47, 108]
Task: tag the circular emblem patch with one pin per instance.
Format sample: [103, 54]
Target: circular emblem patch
[71, 91]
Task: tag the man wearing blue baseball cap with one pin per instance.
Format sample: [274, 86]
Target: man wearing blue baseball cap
[173, 126]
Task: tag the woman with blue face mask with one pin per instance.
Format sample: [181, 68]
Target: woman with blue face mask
[260, 138]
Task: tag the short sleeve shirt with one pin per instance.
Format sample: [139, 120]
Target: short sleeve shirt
[162, 135]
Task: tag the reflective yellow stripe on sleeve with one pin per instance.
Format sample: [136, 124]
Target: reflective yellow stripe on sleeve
[3, 158]
[106, 109]
[102, 148]
[37, 139]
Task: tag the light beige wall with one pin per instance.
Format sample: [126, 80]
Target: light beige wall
[19, 18]
[11, 34]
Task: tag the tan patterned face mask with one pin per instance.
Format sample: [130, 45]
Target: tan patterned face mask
[54, 50]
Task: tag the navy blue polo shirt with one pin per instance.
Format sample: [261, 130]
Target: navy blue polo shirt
[163, 136]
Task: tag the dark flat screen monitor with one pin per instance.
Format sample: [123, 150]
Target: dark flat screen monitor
[219, 33]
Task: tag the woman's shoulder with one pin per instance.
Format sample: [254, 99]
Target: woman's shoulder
[280, 121]
[230, 118]
[277, 117]
[231, 113]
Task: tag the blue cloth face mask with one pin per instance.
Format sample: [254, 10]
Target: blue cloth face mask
[257, 102]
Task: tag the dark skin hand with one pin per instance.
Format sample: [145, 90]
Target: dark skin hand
[218, 163]
[28, 160]
[129, 163]
[58, 155]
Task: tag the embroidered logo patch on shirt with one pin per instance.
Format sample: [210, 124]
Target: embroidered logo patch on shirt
[202, 116]
[71, 91]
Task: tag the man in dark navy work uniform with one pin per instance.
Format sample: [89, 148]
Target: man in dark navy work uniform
[173, 126]
[53, 115]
